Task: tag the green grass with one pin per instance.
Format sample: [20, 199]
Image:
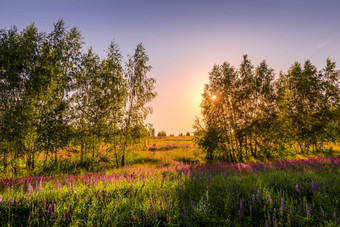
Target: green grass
[171, 185]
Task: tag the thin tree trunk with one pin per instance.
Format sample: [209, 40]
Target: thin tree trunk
[115, 149]
[123, 155]
[5, 158]
[33, 159]
[55, 155]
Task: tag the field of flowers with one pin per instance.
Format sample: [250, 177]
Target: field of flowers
[169, 185]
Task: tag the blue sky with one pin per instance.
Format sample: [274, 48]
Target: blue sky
[184, 39]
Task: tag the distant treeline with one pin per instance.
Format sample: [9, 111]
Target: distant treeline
[249, 111]
[52, 94]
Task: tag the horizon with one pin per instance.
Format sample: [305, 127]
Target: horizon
[185, 39]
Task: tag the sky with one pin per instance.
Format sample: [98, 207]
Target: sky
[185, 38]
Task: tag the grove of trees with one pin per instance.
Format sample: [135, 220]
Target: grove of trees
[250, 112]
[53, 95]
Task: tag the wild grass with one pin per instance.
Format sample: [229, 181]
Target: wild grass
[173, 186]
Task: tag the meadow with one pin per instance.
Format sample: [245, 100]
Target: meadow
[168, 183]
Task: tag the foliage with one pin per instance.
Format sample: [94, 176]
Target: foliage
[53, 97]
[246, 112]
[161, 133]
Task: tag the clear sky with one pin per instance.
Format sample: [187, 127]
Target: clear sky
[185, 38]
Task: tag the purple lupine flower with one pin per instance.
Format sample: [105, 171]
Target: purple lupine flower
[334, 216]
[251, 212]
[270, 199]
[151, 209]
[258, 195]
[40, 186]
[160, 204]
[184, 214]
[0, 198]
[155, 192]
[324, 189]
[208, 178]
[307, 210]
[44, 204]
[322, 212]
[297, 189]
[192, 204]
[30, 216]
[64, 218]
[315, 187]
[240, 210]
[23, 199]
[37, 204]
[245, 202]
[166, 202]
[266, 224]
[283, 206]
[49, 210]
[30, 189]
[206, 204]
[54, 207]
[68, 208]
[253, 199]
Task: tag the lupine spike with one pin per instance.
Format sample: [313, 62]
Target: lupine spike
[283, 206]
[297, 190]
[307, 210]
[270, 199]
[322, 212]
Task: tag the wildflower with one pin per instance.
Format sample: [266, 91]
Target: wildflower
[307, 210]
[324, 189]
[192, 204]
[166, 202]
[152, 208]
[68, 208]
[240, 210]
[44, 204]
[64, 218]
[258, 195]
[322, 212]
[253, 200]
[315, 187]
[40, 186]
[0, 198]
[283, 206]
[160, 204]
[334, 215]
[49, 210]
[184, 214]
[270, 199]
[30, 216]
[251, 212]
[297, 189]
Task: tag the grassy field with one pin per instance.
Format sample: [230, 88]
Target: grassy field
[167, 183]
